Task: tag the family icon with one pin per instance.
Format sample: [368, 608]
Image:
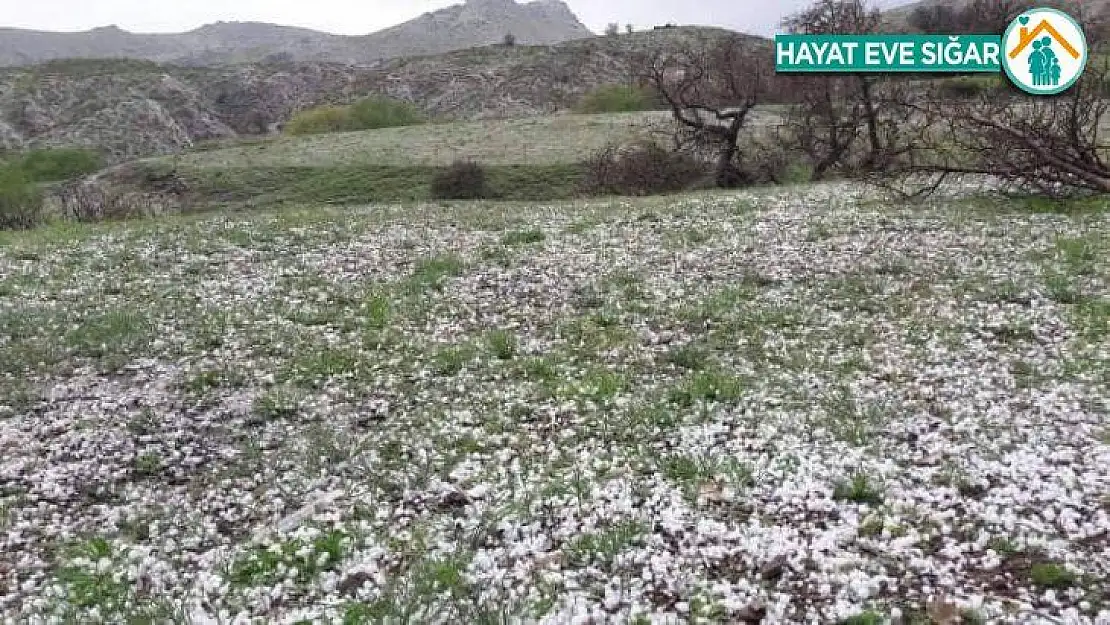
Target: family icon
[1044, 66]
[1046, 58]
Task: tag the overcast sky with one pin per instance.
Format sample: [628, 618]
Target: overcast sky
[358, 17]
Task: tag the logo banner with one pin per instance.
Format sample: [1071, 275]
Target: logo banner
[1043, 52]
[888, 53]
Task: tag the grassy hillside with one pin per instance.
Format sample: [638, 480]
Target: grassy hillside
[528, 159]
[486, 413]
[532, 140]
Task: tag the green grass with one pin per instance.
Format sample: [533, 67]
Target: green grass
[688, 357]
[372, 183]
[1062, 289]
[1091, 318]
[367, 613]
[379, 311]
[87, 67]
[872, 527]
[434, 588]
[1048, 206]
[618, 99]
[201, 383]
[601, 385]
[450, 361]
[605, 545]
[20, 199]
[432, 272]
[1052, 575]
[522, 237]
[848, 420]
[314, 367]
[90, 588]
[860, 489]
[690, 473]
[502, 344]
[865, 618]
[144, 423]
[117, 333]
[279, 403]
[56, 164]
[541, 140]
[593, 332]
[148, 465]
[1003, 546]
[1080, 255]
[712, 386]
[262, 565]
[369, 113]
[541, 369]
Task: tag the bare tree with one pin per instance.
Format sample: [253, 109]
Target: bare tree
[835, 103]
[711, 89]
[613, 29]
[990, 17]
[826, 123]
[1049, 146]
[935, 19]
[976, 16]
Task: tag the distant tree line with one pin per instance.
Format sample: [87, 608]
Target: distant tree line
[994, 16]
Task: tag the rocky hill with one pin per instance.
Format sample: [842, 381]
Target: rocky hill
[137, 108]
[474, 23]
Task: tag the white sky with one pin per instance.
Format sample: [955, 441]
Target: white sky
[354, 17]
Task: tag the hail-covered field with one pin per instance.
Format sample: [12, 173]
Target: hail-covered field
[787, 406]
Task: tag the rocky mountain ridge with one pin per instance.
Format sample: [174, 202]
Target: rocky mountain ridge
[473, 23]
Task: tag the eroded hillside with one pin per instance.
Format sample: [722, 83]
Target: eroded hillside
[134, 108]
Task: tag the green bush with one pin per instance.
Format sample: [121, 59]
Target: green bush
[367, 114]
[51, 165]
[320, 120]
[618, 99]
[463, 180]
[20, 200]
[381, 112]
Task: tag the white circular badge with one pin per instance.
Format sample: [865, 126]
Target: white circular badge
[1044, 51]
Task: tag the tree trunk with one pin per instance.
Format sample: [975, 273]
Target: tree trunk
[872, 121]
[727, 174]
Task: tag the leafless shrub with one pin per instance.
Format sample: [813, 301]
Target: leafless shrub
[641, 169]
[82, 201]
[463, 180]
[1048, 146]
[975, 16]
[992, 17]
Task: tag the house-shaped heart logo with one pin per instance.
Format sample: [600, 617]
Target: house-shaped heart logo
[1045, 51]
